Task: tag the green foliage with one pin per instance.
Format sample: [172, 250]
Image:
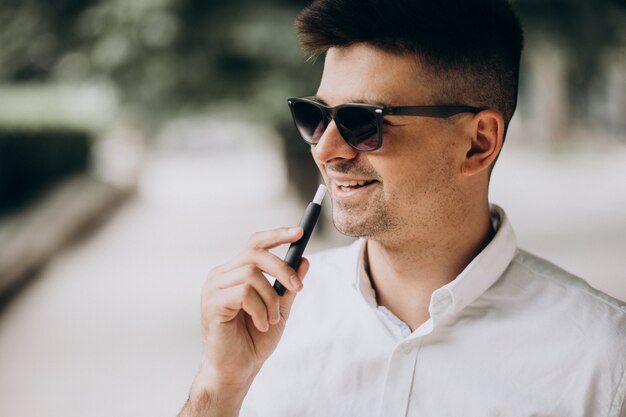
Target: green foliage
[164, 55]
[169, 56]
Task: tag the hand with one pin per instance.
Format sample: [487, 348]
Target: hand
[242, 316]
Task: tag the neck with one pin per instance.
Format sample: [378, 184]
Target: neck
[406, 273]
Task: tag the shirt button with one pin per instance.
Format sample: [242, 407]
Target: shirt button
[405, 348]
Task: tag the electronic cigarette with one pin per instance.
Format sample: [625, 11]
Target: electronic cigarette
[308, 221]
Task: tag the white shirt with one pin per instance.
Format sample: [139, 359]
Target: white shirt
[512, 335]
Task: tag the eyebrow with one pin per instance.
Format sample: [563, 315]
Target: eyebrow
[319, 100]
[355, 101]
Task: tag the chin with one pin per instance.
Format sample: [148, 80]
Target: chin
[355, 226]
[358, 221]
[349, 231]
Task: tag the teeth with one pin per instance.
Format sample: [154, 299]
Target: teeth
[351, 183]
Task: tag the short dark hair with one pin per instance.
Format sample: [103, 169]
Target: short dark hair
[472, 47]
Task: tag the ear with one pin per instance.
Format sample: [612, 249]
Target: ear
[487, 134]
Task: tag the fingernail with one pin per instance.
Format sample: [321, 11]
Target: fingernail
[294, 230]
[295, 282]
[265, 325]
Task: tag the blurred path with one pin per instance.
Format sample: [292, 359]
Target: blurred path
[111, 328]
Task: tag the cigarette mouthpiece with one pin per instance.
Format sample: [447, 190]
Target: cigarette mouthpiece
[319, 195]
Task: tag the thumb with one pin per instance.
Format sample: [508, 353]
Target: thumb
[286, 301]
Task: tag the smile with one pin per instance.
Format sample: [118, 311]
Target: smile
[352, 185]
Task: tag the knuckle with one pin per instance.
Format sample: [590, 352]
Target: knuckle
[250, 270]
[255, 238]
[207, 306]
[246, 290]
[287, 271]
[251, 253]
[215, 271]
[273, 298]
[207, 287]
[247, 255]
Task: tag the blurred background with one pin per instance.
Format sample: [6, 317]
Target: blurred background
[142, 141]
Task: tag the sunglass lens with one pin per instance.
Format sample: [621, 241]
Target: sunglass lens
[309, 121]
[359, 127]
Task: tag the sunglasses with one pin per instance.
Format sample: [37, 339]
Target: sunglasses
[360, 125]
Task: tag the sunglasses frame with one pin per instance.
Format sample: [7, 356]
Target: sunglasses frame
[330, 113]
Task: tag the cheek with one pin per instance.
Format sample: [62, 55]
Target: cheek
[320, 167]
[409, 153]
[422, 167]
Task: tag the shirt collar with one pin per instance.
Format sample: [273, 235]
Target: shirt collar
[363, 282]
[480, 274]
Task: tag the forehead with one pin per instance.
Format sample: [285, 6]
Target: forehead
[363, 73]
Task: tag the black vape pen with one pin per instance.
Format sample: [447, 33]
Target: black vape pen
[308, 221]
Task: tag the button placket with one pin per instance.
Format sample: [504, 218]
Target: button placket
[399, 380]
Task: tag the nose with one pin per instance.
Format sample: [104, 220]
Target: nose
[331, 146]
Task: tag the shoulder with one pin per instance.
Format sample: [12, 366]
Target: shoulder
[565, 305]
[583, 321]
[534, 268]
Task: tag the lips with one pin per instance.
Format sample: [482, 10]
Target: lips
[352, 184]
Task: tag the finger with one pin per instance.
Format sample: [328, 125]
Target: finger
[242, 297]
[268, 263]
[287, 300]
[251, 275]
[271, 238]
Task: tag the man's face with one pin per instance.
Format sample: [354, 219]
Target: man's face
[413, 179]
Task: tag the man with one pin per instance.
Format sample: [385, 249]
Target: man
[435, 311]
